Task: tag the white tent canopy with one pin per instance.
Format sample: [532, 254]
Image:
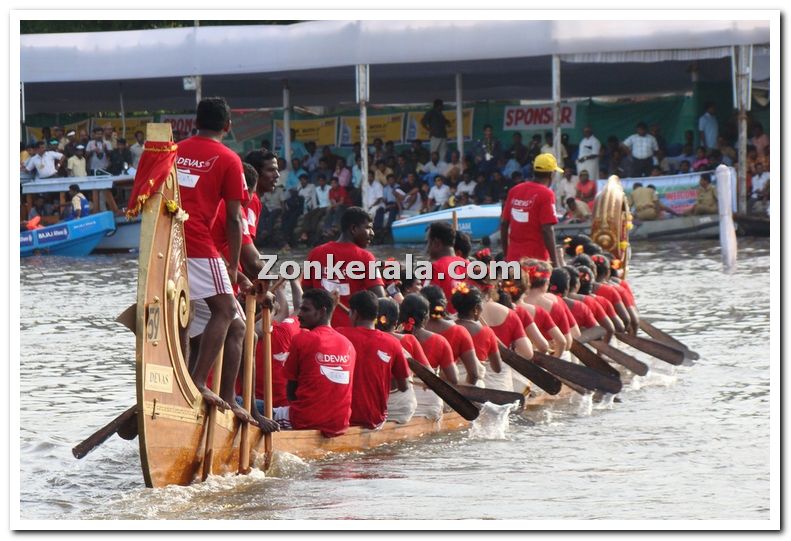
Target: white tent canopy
[411, 61]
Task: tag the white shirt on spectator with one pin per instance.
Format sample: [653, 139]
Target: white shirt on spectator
[759, 183]
[323, 196]
[465, 186]
[565, 188]
[440, 194]
[374, 192]
[642, 146]
[137, 151]
[439, 168]
[308, 193]
[44, 164]
[94, 162]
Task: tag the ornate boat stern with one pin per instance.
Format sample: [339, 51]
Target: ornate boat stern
[612, 221]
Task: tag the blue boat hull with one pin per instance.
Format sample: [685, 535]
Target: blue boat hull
[75, 238]
[476, 221]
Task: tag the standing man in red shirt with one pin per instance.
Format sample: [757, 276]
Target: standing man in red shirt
[528, 216]
[209, 172]
[319, 370]
[356, 234]
[442, 253]
[380, 360]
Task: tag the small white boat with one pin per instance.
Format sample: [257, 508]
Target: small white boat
[477, 221]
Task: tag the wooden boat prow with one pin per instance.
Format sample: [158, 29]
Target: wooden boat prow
[612, 220]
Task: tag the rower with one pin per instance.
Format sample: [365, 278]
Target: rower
[319, 370]
[356, 234]
[610, 292]
[441, 252]
[599, 315]
[539, 327]
[560, 285]
[623, 287]
[401, 405]
[587, 279]
[380, 359]
[470, 369]
[538, 273]
[528, 215]
[209, 172]
[468, 302]
[412, 317]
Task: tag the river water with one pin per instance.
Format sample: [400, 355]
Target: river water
[689, 442]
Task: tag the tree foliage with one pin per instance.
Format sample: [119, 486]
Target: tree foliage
[50, 27]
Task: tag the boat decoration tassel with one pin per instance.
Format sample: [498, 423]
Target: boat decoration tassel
[155, 165]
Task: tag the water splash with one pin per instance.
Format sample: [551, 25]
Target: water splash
[285, 465]
[606, 402]
[585, 404]
[492, 423]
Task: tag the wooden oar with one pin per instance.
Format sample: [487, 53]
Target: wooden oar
[445, 391]
[266, 324]
[621, 357]
[495, 396]
[247, 382]
[662, 336]
[592, 360]
[577, 374]
[591, 333]
[208, 456]
[100, 436]
[652, 347]
[128, 318]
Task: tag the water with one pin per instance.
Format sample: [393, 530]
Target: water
[689, 442]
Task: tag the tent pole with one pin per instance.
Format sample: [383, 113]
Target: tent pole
[743, 102]
[286, 124]
[363, 91]
[459, 122]
[24, 131]
[123, 112]
[556, 107]
[198, 78]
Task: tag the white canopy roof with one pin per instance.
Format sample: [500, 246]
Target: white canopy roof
[411, 61]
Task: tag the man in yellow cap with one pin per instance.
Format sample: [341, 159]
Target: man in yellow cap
[528, 215]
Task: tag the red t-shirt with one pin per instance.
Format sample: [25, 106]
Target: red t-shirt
[524, 315]
[529, 205]
[438, 351]
[459, 339]
[380, 358]
[282, 335]
[413, 347]
[485, 344]
[208, 172]
[219, 235]
[346, 253]
[610, 293]
[597, 309]
[252, 212]
[558, 315]
[569, 315]
[609, 309]
[544, 322]
[625, 292]
[440, 276]
[321, 361]
[582, 314]
[510, 330]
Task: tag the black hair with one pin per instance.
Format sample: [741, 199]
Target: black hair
[586, 279]
[642, 125]
[353, 216]
[320, 298]
[387, 314]
[443, 232]
[574, 276]
[640, 184]
[74, 187]
[364, 303]
[573, 242]
[488, 126]
[505, 298]
[250, 175]
[256, 158]
[559, 282]
[414, 306]
[121, 140]
[212, 114]
[463, 244]
[437, 102]
[436, 300]
[464, 301]
[592, 249]
[602, 266]
[536, 280]
[584, 260]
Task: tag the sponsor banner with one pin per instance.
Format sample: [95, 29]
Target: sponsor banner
[415, 131]
[184, 124]
[52, 234]
[538, 117]
[322, 131]
[679, 192]
[385, 127]
[26, 239]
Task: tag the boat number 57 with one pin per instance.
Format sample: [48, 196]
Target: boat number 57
[152, 327]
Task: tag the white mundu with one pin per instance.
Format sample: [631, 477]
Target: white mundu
[499, 380]
[401, 406]
[428, 403]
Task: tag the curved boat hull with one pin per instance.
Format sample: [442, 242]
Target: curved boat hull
[74, 238]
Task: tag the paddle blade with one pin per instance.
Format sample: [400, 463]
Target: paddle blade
[495, 396]
[658, 334]
[592, 360]
[653, 348]
[448, 394]
[577, 374]
[101, 435]
[624, 359]
[128, 318]
[549, 383]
